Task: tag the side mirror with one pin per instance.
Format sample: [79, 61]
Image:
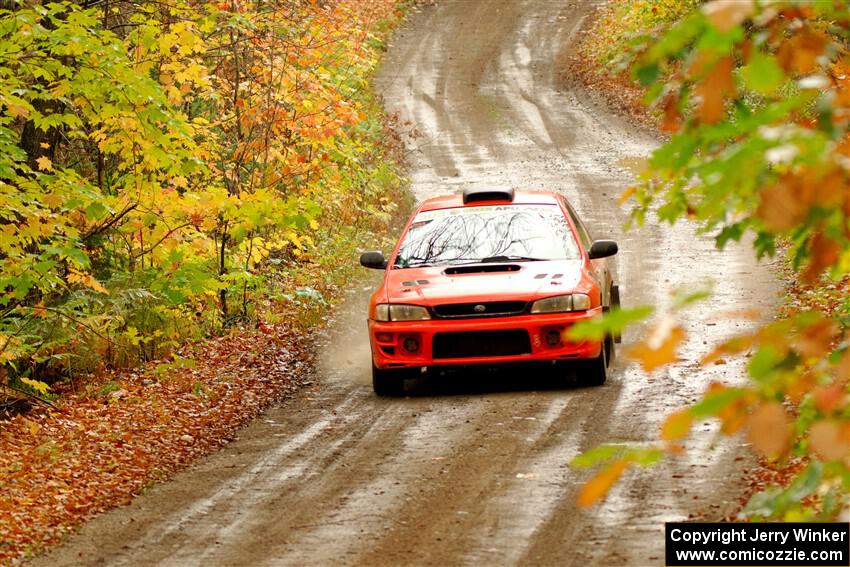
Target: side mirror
[374, 260]
[602, 249]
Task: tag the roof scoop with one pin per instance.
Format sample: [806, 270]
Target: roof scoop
[472, 195]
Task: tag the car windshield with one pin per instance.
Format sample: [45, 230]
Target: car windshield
[487, 234]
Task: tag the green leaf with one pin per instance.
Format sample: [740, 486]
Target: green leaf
[762, 74]
[96, 211]
[611, 323]
[599, 454]
[647, 74]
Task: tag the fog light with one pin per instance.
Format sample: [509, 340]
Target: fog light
[411, 344]
[553, 337]
[384, 337]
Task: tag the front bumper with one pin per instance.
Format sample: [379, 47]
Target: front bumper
[388, 340]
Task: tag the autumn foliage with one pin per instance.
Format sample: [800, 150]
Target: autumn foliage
[166, 168]
[756, 99]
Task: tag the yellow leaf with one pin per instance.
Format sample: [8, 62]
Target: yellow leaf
[769, 430]
[87, 280]
[36, 385]
[293, 238]
[33, 426]
[44, 145]
[18, 110]
[599, 485]
[44, 163]
[677, 425]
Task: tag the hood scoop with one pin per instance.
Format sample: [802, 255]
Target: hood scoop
[481, 269]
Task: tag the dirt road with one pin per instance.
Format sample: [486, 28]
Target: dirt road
[472, 472]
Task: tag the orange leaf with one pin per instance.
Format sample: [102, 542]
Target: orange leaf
[784, 205]
[672, 117]
[660, 348]
[626, 195]
[734, 345]
[829, 398]
[830, 440]
[816, 339]
[726, 14]
[713, 90]
[824, 252]
[769, 430]
[800, 52]
[598, 486]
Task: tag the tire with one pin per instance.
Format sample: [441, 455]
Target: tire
[389, 383]
[615, 303]
[594, 372]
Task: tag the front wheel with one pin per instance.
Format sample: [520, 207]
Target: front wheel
[594, 372]
[615, 304]
[388, 383]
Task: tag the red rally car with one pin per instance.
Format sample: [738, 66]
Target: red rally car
[489, 278]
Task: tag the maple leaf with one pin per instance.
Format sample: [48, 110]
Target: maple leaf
[87, 280]
[36, 385]
[44, 163]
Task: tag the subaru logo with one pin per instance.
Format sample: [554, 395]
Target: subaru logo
[480, 308]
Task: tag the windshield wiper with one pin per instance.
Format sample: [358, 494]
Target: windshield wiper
[465, 261]
[492, 260]
[503, 258]
[414, 265]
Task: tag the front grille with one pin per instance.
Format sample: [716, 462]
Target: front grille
[484, 309]
[481, 343]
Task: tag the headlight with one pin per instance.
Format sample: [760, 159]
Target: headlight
[400, 312]
[562, 303]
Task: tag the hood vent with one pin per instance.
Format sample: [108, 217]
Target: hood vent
[481, 268]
